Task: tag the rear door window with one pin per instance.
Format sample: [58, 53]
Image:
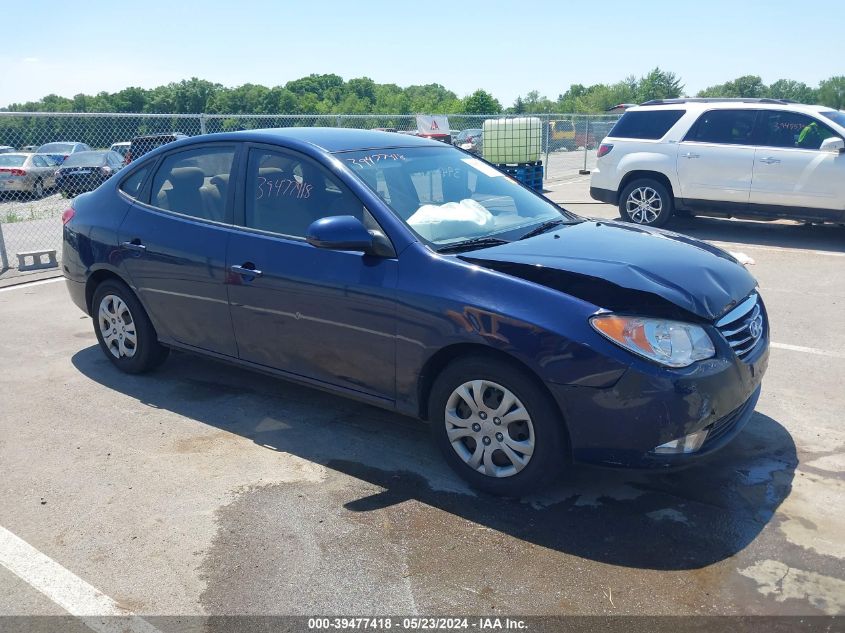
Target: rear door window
[727, 127]
[194, 182]
[648, 124]
[132, 185]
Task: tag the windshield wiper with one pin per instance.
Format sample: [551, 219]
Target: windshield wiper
[478, 242]
[542, 228]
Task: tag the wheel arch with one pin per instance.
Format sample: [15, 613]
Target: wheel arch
[644, 174]
[443, 357]
[95, 279]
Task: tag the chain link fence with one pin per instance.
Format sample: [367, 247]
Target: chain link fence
[43, 154]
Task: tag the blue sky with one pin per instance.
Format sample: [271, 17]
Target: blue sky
[506, 48]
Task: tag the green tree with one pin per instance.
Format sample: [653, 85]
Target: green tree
[659, 84]
[832, 92]
[745, 86]
[480, 102]
[792, 90]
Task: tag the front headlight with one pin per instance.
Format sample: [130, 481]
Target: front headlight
[670, 343]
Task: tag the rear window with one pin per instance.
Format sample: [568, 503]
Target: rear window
[58, 148]
[142, 146]
[649, 124]
[11, 161]
[85, 159]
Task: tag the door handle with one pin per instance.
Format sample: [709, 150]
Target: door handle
[690, 155]
[134, 245]
[769, 160]
[245, 271]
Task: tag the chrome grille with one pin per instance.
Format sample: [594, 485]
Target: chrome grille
[743, 326]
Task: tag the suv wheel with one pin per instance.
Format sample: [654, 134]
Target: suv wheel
[646, 202]
[495, 427]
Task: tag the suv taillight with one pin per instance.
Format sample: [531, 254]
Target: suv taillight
[68, 214]
[604, 149]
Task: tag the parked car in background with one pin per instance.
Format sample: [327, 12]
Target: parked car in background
[85, 171]
[62, 149]
[469, 140]
[385, 129]
[122, 148]
[29, 149]
[26, 174]
[140, 145]
[5, 149]
[443, 137]
[747, 158]
[561, 135]
[401, 272]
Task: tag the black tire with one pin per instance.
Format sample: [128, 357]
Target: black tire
[148, 352]
[550, 454]
[38, 190]
[644, 187]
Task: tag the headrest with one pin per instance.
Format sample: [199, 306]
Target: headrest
[271, 172]
[187, 177]
[220, 180]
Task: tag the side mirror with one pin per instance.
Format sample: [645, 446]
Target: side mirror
[347, 233]
[833, 144]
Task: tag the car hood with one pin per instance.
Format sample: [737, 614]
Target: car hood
[625, 267]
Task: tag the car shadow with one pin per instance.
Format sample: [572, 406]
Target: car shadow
[686, 519]
[816, 237]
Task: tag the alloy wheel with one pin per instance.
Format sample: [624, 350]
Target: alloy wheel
[644, 205]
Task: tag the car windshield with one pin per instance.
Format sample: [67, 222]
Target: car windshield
[85, 159]
[447, 197]
[12, 160]
[837, 116]
[58, 148]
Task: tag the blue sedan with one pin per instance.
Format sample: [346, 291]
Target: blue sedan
[416, 277]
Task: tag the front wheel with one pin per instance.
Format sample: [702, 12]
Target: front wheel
[496, 427]
[123, 329]
[646, 202]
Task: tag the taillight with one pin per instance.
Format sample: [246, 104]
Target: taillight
[604, 149]
[13, 172]
[68, 214]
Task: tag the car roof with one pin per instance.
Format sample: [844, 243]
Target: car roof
[19, 154]
[333, 139]
[730, 104]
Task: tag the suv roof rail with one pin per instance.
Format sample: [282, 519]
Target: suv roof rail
[718, 100]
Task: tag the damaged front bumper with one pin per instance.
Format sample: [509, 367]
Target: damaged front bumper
[624, 425]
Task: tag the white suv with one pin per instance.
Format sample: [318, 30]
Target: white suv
[749, 158]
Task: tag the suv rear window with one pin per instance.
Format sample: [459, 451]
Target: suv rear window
[648, 124]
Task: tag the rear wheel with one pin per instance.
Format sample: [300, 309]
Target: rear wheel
[496, 427]
[123, 329]
[38, 189]
[646, 201]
